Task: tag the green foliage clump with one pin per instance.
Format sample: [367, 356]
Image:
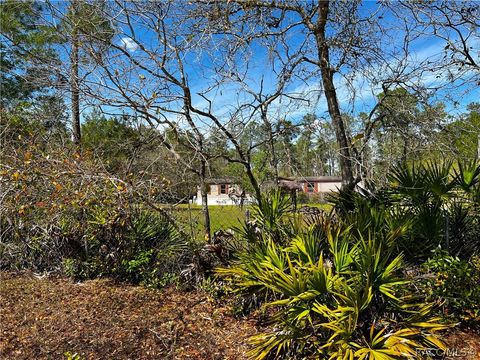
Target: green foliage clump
[456, 283]
[334, 288]
[438, 205]
[144, 249]
[61, 212]
[439, 202]
[110, 139]
[443, 200]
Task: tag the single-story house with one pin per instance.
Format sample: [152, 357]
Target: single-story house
[227, 191]
[312, 184]
[224, 191]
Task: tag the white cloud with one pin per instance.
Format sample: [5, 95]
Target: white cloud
[128, 44]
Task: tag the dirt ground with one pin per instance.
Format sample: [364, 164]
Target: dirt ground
[44, 318]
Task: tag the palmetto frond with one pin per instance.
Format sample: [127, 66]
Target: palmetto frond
[327, 282]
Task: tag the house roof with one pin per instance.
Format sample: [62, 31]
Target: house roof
[289, 184]
[218, 181]
[322, 179]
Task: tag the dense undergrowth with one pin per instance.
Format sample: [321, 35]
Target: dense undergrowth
[377, 278]
[62, 212]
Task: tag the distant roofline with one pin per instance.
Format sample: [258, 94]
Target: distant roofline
[289, 184]
[312, 178]
[298, 179]
[218, 181]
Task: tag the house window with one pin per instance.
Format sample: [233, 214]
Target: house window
[223, 189]
[310, 187]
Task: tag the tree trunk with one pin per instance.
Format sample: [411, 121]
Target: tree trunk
[271, 142]
[253, 182]
[478, 147]
[204, 193]
[405, 149]
[273, 159]
[331, 94]
[74, 81]
[290, 163]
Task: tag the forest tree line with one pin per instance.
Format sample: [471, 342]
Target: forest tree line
[157, 90]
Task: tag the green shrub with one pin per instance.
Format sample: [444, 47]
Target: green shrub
[334, 289]
[456, 283]
[439, 202]
[143, 248]
[443, 199]
[62, 213]
[303, 198]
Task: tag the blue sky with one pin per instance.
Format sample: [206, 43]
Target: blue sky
[227, 97]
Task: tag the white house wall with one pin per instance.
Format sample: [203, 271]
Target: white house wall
[215, 198]
[221, 199]
[328, 186]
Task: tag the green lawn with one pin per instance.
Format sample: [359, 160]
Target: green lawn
[322, 206]
[222, 217]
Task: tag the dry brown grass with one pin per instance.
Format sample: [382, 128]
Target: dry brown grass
[463, 345]
[44, 318]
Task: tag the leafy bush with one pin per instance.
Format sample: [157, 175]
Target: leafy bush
[334, 289]
[145, 249]
[61, 212]
[309, 198]
[444, 202]
[438, 206]
[456, 283]
[440, 203]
